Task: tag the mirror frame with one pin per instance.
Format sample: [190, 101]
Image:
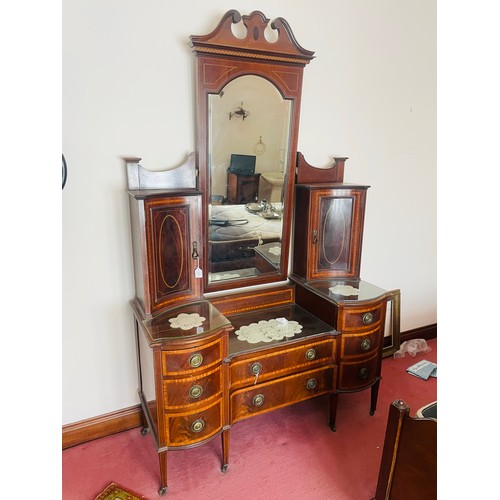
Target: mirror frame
[220, 58]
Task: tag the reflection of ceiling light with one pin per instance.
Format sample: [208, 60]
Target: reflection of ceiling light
[239, 112]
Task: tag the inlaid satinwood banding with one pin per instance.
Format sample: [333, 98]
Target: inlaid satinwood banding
[160, 252]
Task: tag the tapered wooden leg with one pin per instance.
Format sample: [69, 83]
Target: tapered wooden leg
[333, 410]
[162, 458]
[225, 450]
[374, 397]
[145, 426]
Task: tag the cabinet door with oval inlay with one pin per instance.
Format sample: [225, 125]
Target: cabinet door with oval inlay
[329, 237]
[174, 249]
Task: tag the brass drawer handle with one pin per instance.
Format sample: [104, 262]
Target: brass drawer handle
[196, 391]
[195, 360]
[310, 354]
[198, 425]
[367, 318]
[311, 384]
[363, 373]
[258, 400]
[366, 344]
[256, 368]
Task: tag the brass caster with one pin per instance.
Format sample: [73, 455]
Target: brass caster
[332, 427]
[144, 431]
[224, 468]
[162, 491]
[372, 412]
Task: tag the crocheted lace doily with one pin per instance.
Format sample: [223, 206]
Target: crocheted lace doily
[186, 321]
[275, 250]
[345, 290]
[267, 331]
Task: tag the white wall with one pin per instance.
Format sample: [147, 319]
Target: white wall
[128, 90]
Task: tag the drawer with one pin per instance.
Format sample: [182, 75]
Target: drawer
[360, 345]
[179, 392]
[359, 374]
[176, 362]
[284, 391]
[360, 317]
[187, 428]
[270, 364]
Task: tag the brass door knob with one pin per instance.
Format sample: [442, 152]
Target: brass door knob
[363, 373]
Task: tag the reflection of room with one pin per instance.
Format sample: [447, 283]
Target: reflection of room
[249, 124]
[256, 135]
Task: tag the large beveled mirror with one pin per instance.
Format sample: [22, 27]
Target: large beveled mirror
[248, 106]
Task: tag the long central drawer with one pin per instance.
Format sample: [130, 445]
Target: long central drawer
[281, 392]
[271, 364]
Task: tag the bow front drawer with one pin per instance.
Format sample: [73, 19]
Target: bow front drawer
[360, 317]
[188, 428]
[177, 362]
[360, 345]
[359, 374]
[179, 392]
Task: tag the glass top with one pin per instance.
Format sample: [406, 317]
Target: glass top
[185, 321]
[288, 316]
[346, 290]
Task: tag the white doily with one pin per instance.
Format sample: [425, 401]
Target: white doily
[186, 321]
[346, 290]
[275, 250]
[267, 331]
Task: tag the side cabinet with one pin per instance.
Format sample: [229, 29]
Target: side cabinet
[182, 378]
[357, 310]
[328, 232]
[166, 241]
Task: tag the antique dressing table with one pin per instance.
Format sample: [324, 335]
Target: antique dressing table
[226, 328]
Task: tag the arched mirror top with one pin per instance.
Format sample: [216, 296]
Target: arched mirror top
[249, 83]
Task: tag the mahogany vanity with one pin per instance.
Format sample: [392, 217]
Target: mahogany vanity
[217, 347]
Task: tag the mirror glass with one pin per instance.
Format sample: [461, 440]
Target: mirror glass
[248, 149]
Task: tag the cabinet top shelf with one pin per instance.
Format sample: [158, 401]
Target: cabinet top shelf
[182, 323]
[339, 291]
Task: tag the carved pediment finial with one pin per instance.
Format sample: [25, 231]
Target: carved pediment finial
[254, 43]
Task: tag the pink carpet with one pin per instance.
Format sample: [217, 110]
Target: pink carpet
[288, 454]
